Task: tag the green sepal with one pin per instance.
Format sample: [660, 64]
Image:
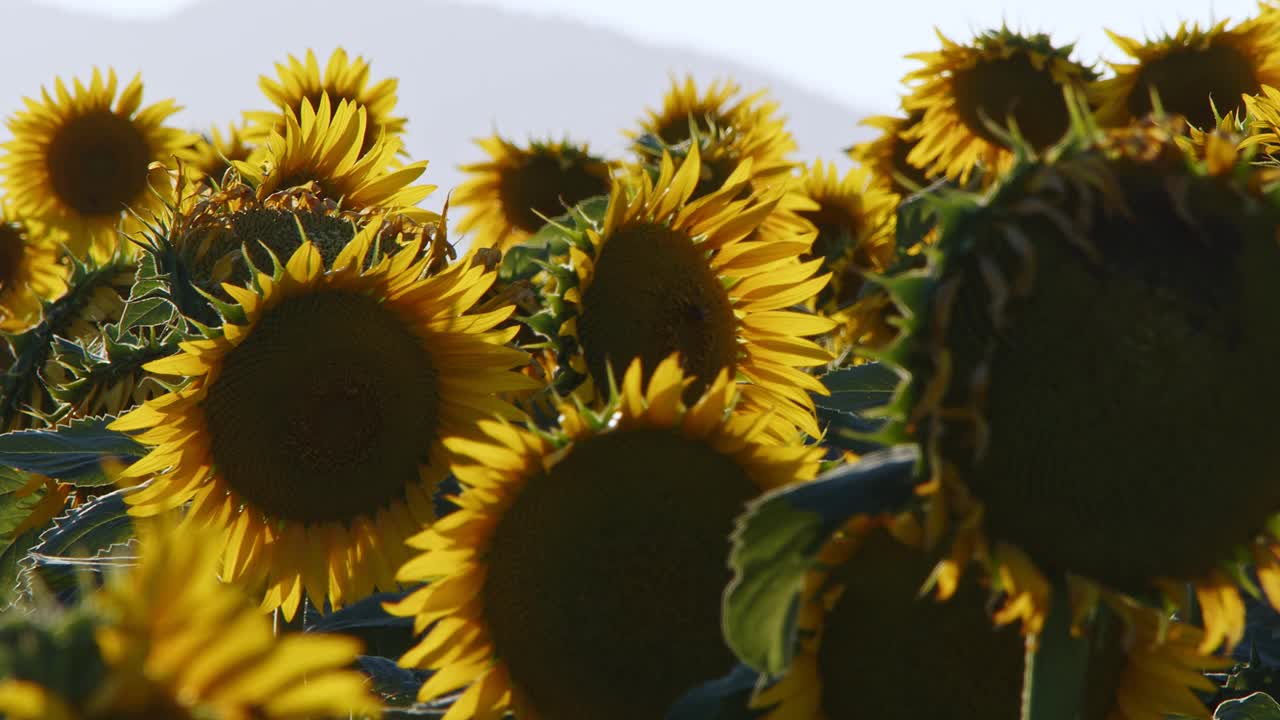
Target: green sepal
[72, 453]
[778, 538]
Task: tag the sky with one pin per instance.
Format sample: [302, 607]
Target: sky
[850, 52]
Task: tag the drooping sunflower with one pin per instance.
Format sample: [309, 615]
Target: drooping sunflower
[343, 79]
[170, 641]
[1060, 381]
[511, 193]
[886, 156]
[1192, 71]
[582, 576]
[310, 430]
[870, 643]
[30, 273]
[326, 146]
[213, 154]
[663, 273]
[207, 237]
[1000, 78]
[78, 159]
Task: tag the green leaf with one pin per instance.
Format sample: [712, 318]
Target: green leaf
[726, 698]
[859, 388]
[13, 509]
[780, 534]
[1057, 670]
[146, 311]
[11, 565]
[58, 652]
[1258, 706]
[396, 685]
[72, 453]
[79, 541]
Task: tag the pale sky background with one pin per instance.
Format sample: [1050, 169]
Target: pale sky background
[540, 67]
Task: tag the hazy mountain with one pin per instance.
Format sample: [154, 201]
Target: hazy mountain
[463, 71]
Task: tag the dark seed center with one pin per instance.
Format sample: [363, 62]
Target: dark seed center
[1012, 88]
[97, 163]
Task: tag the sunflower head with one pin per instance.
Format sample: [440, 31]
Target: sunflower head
[323, 149]
[855, 223]
[214, 154]
[886, 156]
[564, 623]
[166, 639]
[1194, 72]
[1090, 292]
[301, 82]
[663, 273]
[207, 236]
[80, 157]
[321, 404]
[514, 192]
[976, 97]
[685, 109]
[30, 273]
[871, 641]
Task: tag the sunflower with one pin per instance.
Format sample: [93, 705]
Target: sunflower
[1001, 78]
[1263, 123]
[512, 193]
[301, 83]
[213, 155]
[76, 162]
[872, 644]
[326, 148]
[309, 431]
[665, 274]
[30, 273]
[855, 222]
[722, 105]
[886, 156]
[210, 236]
[1058, 375]
[173, 642]
[1192, 71]
[607, 607]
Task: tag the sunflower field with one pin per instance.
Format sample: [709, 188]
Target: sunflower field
[703, 432]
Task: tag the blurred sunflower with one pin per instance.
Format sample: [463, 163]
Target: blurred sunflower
[582, 576]
[1263, 123]
[511, 193]
[309, 432]
[886, 156]
[1192, 71]
[1091, 292]
[326, 147]
[213, 155]
[855, 222]
[664, 273]
[76, 162]
[1001, 78]
[301, 82]
[870, 644]
[721, 106]
[30, 273]
[176, 644]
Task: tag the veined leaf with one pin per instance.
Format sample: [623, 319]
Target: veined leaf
[779, 536]
[72, 453]
[79, 541]
[1258, 706]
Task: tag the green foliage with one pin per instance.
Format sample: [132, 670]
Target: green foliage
[78, 543]
[782, 532]
[1258, 706]
[57, 651]
[72, 453]
[1057, 667]
[727, 698]
[848, 413]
